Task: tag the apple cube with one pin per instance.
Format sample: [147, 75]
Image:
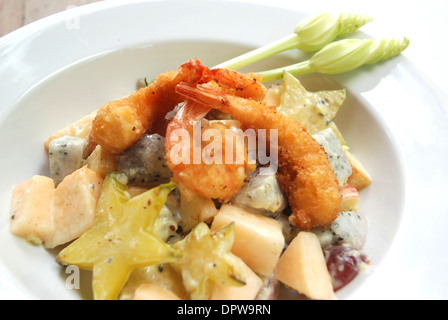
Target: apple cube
[360, 178]
[350, 198]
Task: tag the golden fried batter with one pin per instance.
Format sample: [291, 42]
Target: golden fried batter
[121, 123]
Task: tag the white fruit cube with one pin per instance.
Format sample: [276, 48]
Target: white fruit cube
[66, 155]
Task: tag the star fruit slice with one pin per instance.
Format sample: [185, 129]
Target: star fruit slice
[121, 239]
[314, 110]
[207, 260]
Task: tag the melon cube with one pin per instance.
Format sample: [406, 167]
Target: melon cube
[259, 240]
[31, 207]
[152, 291]
[73, 207]
[303, 268]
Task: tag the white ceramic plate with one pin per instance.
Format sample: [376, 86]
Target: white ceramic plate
[61, 68]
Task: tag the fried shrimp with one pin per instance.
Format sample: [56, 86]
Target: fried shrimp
[210, 176]
[304, 172]
[120, 123]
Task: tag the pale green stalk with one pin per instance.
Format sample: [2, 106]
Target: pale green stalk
[310, 35]
[342, 56]
[316, 33]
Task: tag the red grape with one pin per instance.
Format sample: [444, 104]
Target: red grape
[343, 263]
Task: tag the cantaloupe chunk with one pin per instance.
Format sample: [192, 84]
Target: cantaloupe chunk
[303, 267]
[101, 161]
[79, 129]
[31, 207]
[152, 291]
[52, 217]
[360, 178]
[247, 292]
[259, 240]
[73, 207]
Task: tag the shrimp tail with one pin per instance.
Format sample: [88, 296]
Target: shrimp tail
[202, 95]
[189, 112]
[242, 85]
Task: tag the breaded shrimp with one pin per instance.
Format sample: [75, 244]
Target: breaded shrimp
[120, 123]
[215, 180]
[304, 173]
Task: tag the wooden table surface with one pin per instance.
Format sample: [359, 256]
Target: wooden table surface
[17, 13]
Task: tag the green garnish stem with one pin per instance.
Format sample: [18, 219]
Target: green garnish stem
[288, 43]
[310, 35]
[342, 56]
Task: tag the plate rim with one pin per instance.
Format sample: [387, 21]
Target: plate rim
[33, 28]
